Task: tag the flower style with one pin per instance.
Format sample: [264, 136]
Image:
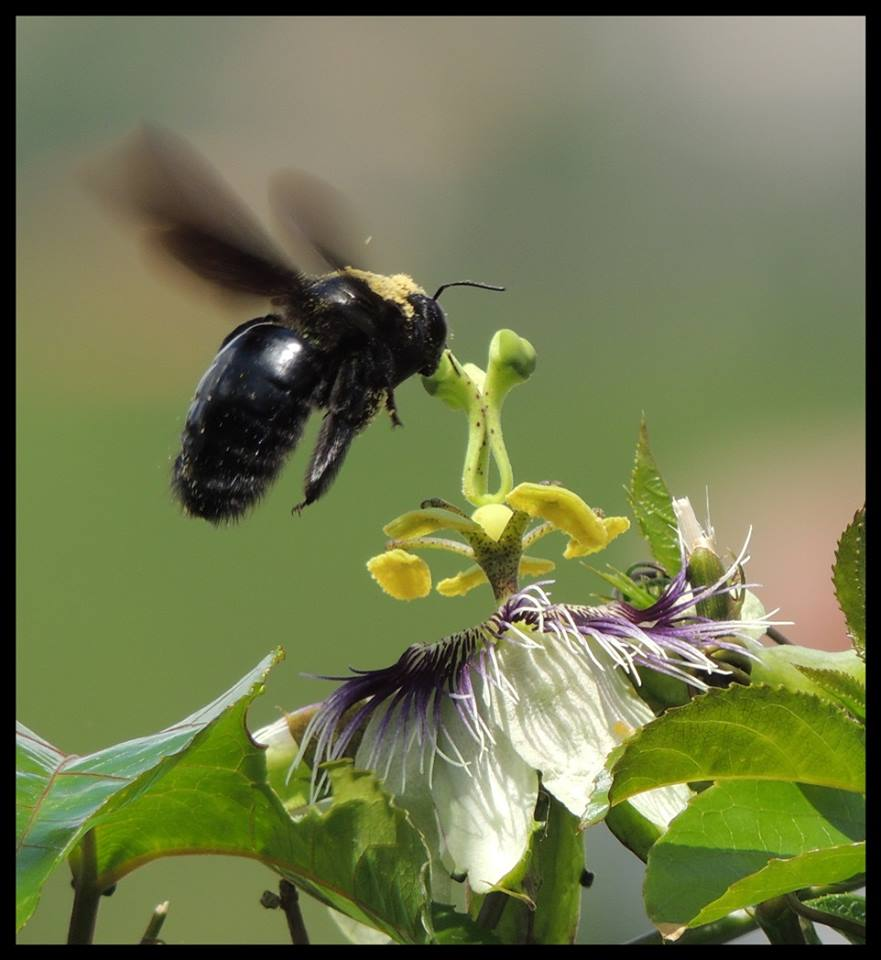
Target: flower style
[460, 730]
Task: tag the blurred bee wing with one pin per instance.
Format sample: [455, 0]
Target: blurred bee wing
[312, 212]
[159, 180]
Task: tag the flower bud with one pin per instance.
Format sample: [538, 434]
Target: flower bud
[703, 570]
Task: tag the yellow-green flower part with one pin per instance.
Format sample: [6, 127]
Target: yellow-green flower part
[493, 518]
[421, 523]
[466, 580]
[463, 582]
[400, 574]
[588, 531]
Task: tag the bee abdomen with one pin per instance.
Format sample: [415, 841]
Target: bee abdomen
[246, 417]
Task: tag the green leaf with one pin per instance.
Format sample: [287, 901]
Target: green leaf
[361, 855]
[544, 890]
[812, 868]
[652, 506]
[846, 905]
[201, 787]
[60, 796]
[849, 579]
[743, 842]
[453, 927]
[634, 593]
[839, 677]
[754, 732]
[840, 688]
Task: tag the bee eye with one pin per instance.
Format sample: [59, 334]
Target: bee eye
[434, 331]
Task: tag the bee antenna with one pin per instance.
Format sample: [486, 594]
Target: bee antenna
[467, 283]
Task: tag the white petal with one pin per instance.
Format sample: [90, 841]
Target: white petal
[357, 932]
[477, 811]
[661, 805]
[569, 714]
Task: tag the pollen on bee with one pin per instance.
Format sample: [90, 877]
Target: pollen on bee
[397, 287]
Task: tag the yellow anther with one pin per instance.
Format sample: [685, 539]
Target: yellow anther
[462, 583]
[401, 575]
[588, 531]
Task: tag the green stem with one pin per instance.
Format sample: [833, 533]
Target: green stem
[84, 914]
[780, 924]
[842, 924]
[741, 921]
[491, 910]
[734, 925]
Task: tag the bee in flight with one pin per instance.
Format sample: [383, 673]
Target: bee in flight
[339, 342]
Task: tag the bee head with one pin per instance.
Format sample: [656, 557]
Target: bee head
[435, 322]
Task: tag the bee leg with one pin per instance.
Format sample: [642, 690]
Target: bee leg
[392, 409]
[383, 375]
[353, 401]
[333, 444]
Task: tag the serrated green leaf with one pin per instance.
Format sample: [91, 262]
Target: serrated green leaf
[742, 842]
[839, 676]
[849, 578]
[781, 665]
[60, 796]
[201, 787]
[841, 688]
[850, 906]
[652, 506]
[754, 732]
[361, 855]
[813, 868]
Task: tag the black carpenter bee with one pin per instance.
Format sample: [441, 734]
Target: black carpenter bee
[340, 342]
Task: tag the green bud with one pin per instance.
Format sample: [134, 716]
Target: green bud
[705, 569]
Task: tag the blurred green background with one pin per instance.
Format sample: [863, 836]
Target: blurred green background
[677, 209]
